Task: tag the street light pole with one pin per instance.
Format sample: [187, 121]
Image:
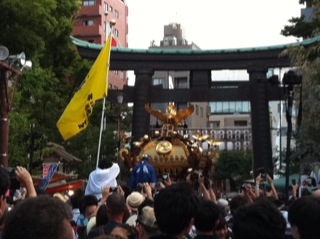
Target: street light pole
[290, 79]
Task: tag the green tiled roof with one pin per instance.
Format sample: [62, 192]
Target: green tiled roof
[89, 45]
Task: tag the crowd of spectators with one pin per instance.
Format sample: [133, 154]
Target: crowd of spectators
[157, 209]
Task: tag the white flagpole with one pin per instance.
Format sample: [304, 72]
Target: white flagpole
[112, 23]
[101, 129]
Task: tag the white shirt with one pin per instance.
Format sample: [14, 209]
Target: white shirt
[101, 178]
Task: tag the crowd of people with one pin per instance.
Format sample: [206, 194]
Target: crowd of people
[155, 208]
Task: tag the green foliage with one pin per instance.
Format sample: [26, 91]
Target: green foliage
[233, 165]
[19, 127]
[306, 59]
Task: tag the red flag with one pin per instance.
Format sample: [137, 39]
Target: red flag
[113, 42]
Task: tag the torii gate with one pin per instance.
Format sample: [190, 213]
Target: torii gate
[258, 90]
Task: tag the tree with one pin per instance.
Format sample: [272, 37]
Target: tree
[306, 59]
[42, 29]
[233, 165]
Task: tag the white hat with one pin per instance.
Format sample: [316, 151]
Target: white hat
[134, 200]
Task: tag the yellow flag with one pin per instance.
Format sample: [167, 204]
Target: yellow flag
[75, 117]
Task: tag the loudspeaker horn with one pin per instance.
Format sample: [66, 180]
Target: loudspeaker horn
[21, 58]
[4, 53]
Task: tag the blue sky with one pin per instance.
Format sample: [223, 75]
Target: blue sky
[212, 24]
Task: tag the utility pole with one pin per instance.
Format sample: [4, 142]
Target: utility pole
[9, 65]
[5, 69]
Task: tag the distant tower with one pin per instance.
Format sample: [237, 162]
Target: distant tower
[174, 38]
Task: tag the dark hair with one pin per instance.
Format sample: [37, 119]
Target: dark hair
[131, 231]
[74, 199]
[174, 207]
[102, 215]
[146, 202]
[38, 217]
[145, 157]
[105, 163]
[222, 223]
[116, 204]
[207, 216]
[237, 202]
[87, 201]
[4, 181]
[260, 220]
[304, 213]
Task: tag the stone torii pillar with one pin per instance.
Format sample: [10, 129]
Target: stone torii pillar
[260, 121]
[142, 95]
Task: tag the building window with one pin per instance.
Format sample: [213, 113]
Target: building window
[116, 32]
[110, 86]
[197, 110]
[214, 124]
[242, 123]
[121, 75]
[105, 8]
[158, 81]
[88, 23]
[116, 13]
[88, 2]
[181, 105]
[230, 107]
[181, 82]
[111, 9]
[201, 112]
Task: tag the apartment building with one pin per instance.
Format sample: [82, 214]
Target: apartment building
[92, 24]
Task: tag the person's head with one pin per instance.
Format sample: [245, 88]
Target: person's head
[74, 199]
[105, 163]
[221, 230]
[39, 217]
[102, 215]
[237, 202]
[145, 158]
[175, 207]
[146, 224]
[134, 200]
[146, 202]
[260, 219]
[224, 206]
[88, 205]
[116, 205]
[206, 217]
[4, 187]
[124, 231]
[304, 217]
